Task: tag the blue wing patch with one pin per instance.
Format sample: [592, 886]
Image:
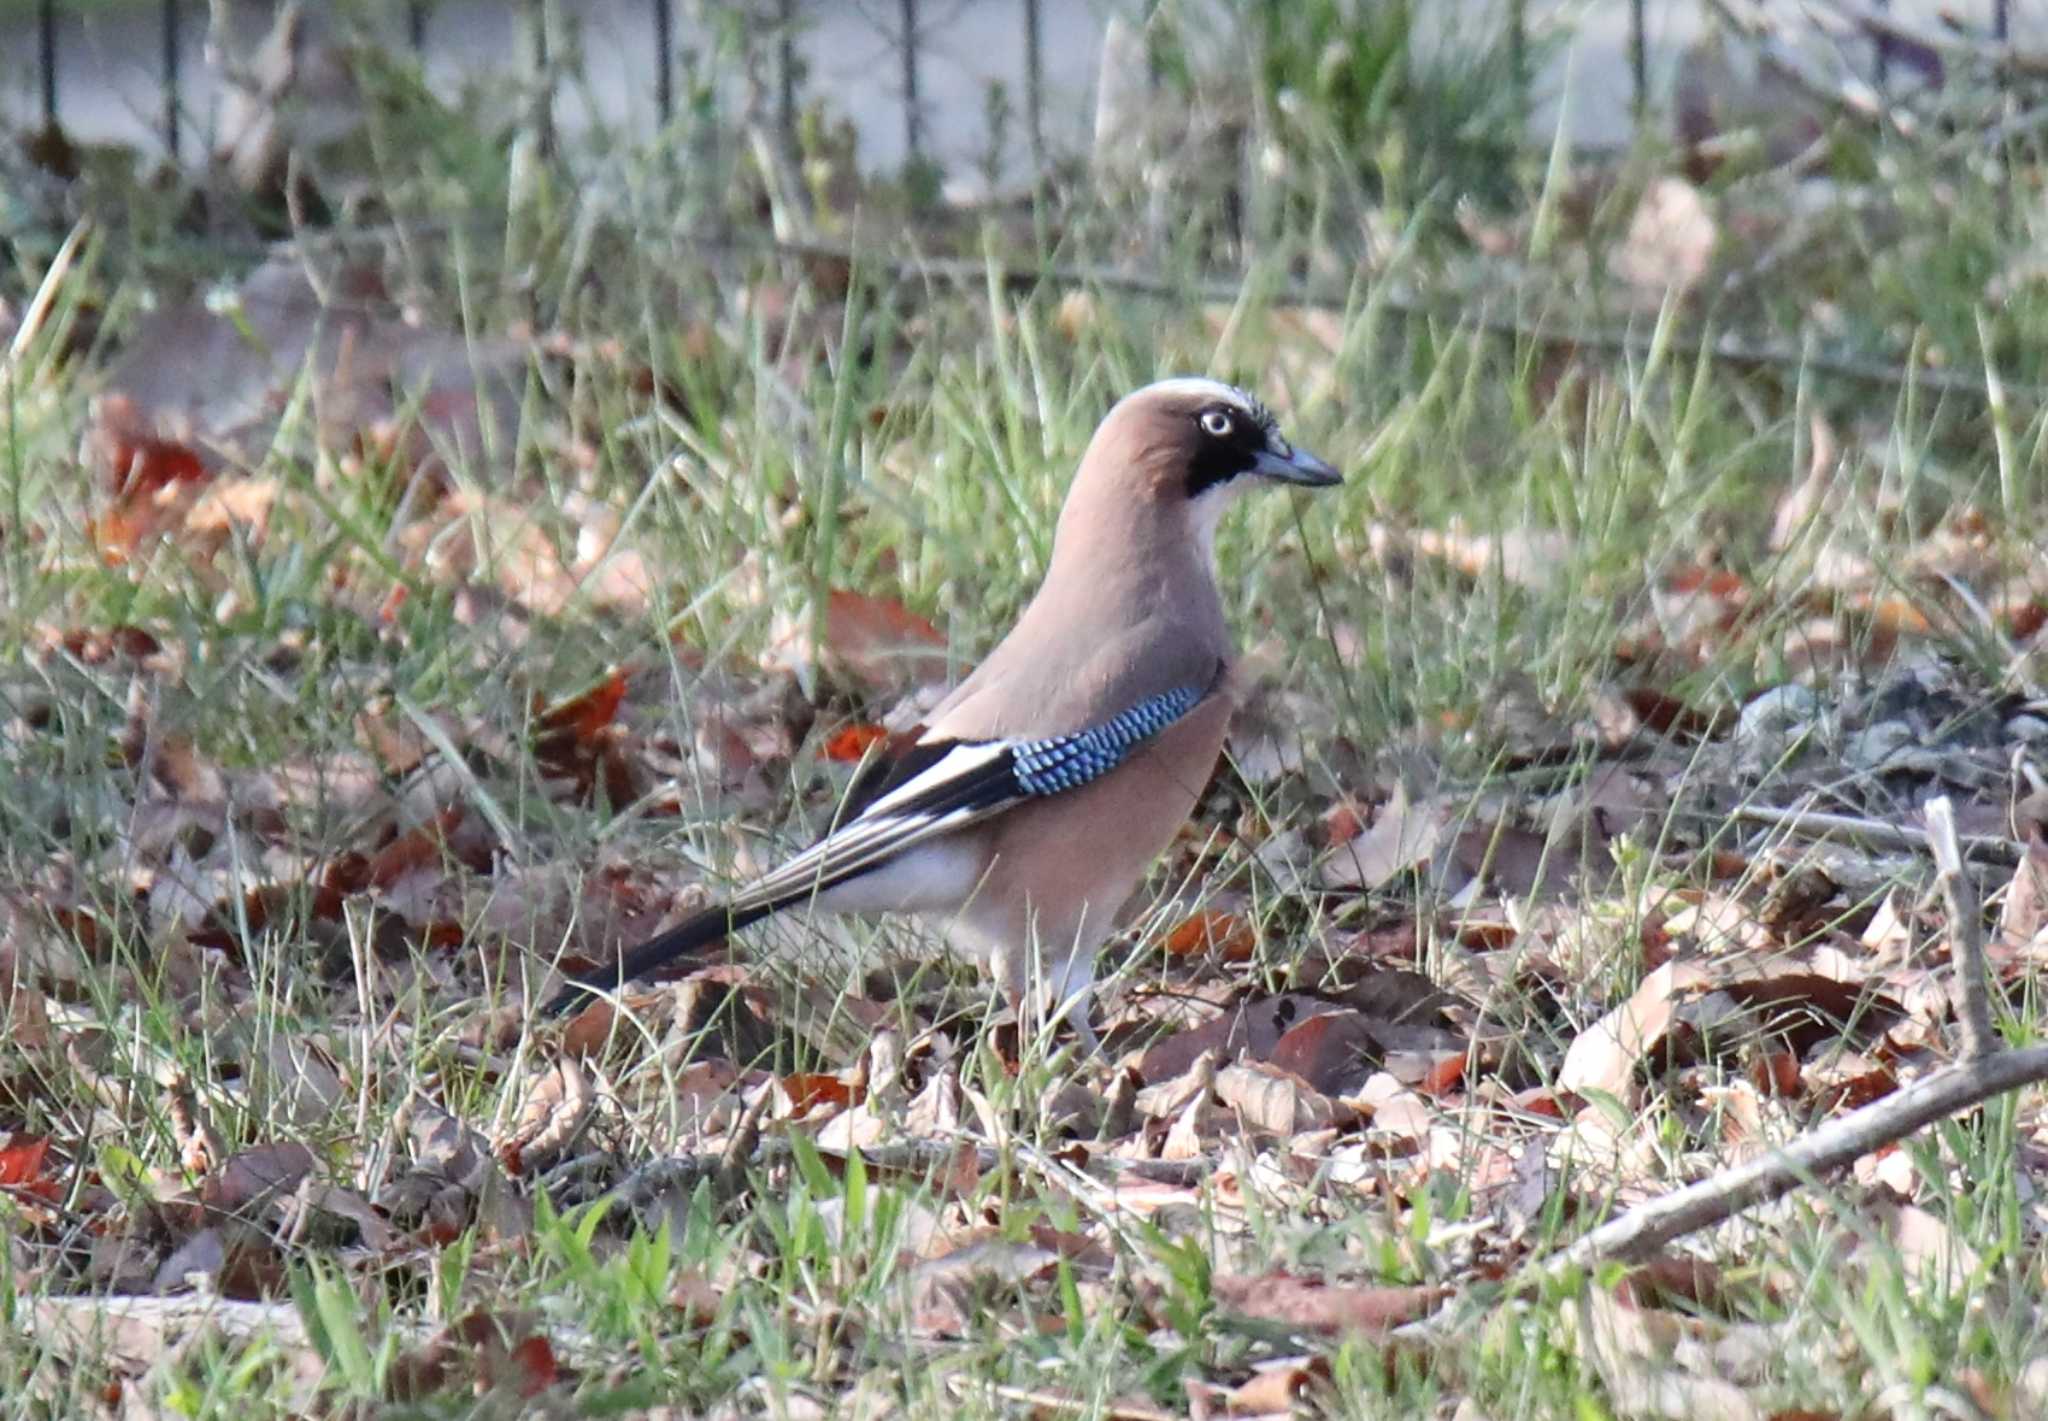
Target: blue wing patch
[1059, 763]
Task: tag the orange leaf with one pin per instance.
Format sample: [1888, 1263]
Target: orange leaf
[1224, 935]
[533, 1362]
[415, 849]
[583, 716]
[1776, 1073]
[852, 743]
[1899, 616]
[2022, 621]
[809, 1089]
[1444, 1074]
[1342, 823]
[21, 1165]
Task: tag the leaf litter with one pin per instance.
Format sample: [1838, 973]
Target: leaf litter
[1677, 917]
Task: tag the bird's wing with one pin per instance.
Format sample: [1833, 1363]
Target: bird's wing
[935, 788]
[944, 786]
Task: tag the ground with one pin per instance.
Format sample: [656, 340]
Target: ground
[407, 614]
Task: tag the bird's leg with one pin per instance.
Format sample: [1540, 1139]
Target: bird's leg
[1071, 994]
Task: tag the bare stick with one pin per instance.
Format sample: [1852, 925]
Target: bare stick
[1814, 824]
[1640, 1232]
[46, 297]
[1965, 930]
[1848, 95]
[1999, 58]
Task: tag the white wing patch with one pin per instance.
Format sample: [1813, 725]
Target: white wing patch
[881, 831]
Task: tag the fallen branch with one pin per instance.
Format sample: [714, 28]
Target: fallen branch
[1849, 95]
[1965, 930]
[1984, 1071]
[40, 304]
[1999, 58]
[1642, 1231]
[1815, 824]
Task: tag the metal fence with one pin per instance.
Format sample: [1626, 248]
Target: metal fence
[904, 41]
[918, 58]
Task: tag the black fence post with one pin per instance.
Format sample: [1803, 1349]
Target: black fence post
[1518, 57]
[416, 24]
[544, 77]
[664, 60]
[171, 28]
[46, 52]
[913, 119]
[1639, 58]
[1034, 87]
[785, 68]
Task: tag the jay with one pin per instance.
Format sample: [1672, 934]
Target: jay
[1043, 787]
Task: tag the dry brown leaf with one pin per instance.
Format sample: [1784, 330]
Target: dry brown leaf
[1397, 1112]
[1607, 1055]
[1277, 1387]
[1273, 1100]
[1248, 1030]
[1224, 936]
[1331, 1051]
[876, 642]
[1636, 1354]
[1535, 558]
[1312, 1305]
[255, 1177]
[1403, 836]
[1195, 1131]
[2024, 913]
[1670, 241]
[553, 1114]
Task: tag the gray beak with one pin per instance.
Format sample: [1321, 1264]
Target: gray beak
[1288, 465]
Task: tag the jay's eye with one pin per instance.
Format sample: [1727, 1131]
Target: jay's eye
[1217, 423]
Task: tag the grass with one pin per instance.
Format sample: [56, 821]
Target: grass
[913, 442]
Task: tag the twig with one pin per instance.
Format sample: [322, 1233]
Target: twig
[1999, 58]
[46, 296]
[1814, 824]
[1984, 1070]
[1965, 931]
[739, 1149]
[1640, 1232]
[1850, 95]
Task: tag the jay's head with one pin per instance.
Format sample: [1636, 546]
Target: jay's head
[1193, 444]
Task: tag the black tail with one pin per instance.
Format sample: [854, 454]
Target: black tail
[704, 929]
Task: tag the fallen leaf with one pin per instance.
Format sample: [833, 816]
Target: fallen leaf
[556, 1108]
[1314, 1306]
[875, 641]
[1606, 1056]
[1274, 1100]
[1224, 936]
[259, 1175]
[1403, 836]
[1670, 240]
[850, 744]
[21, 1166]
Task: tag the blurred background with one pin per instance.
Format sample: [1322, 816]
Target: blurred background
[976, 88]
